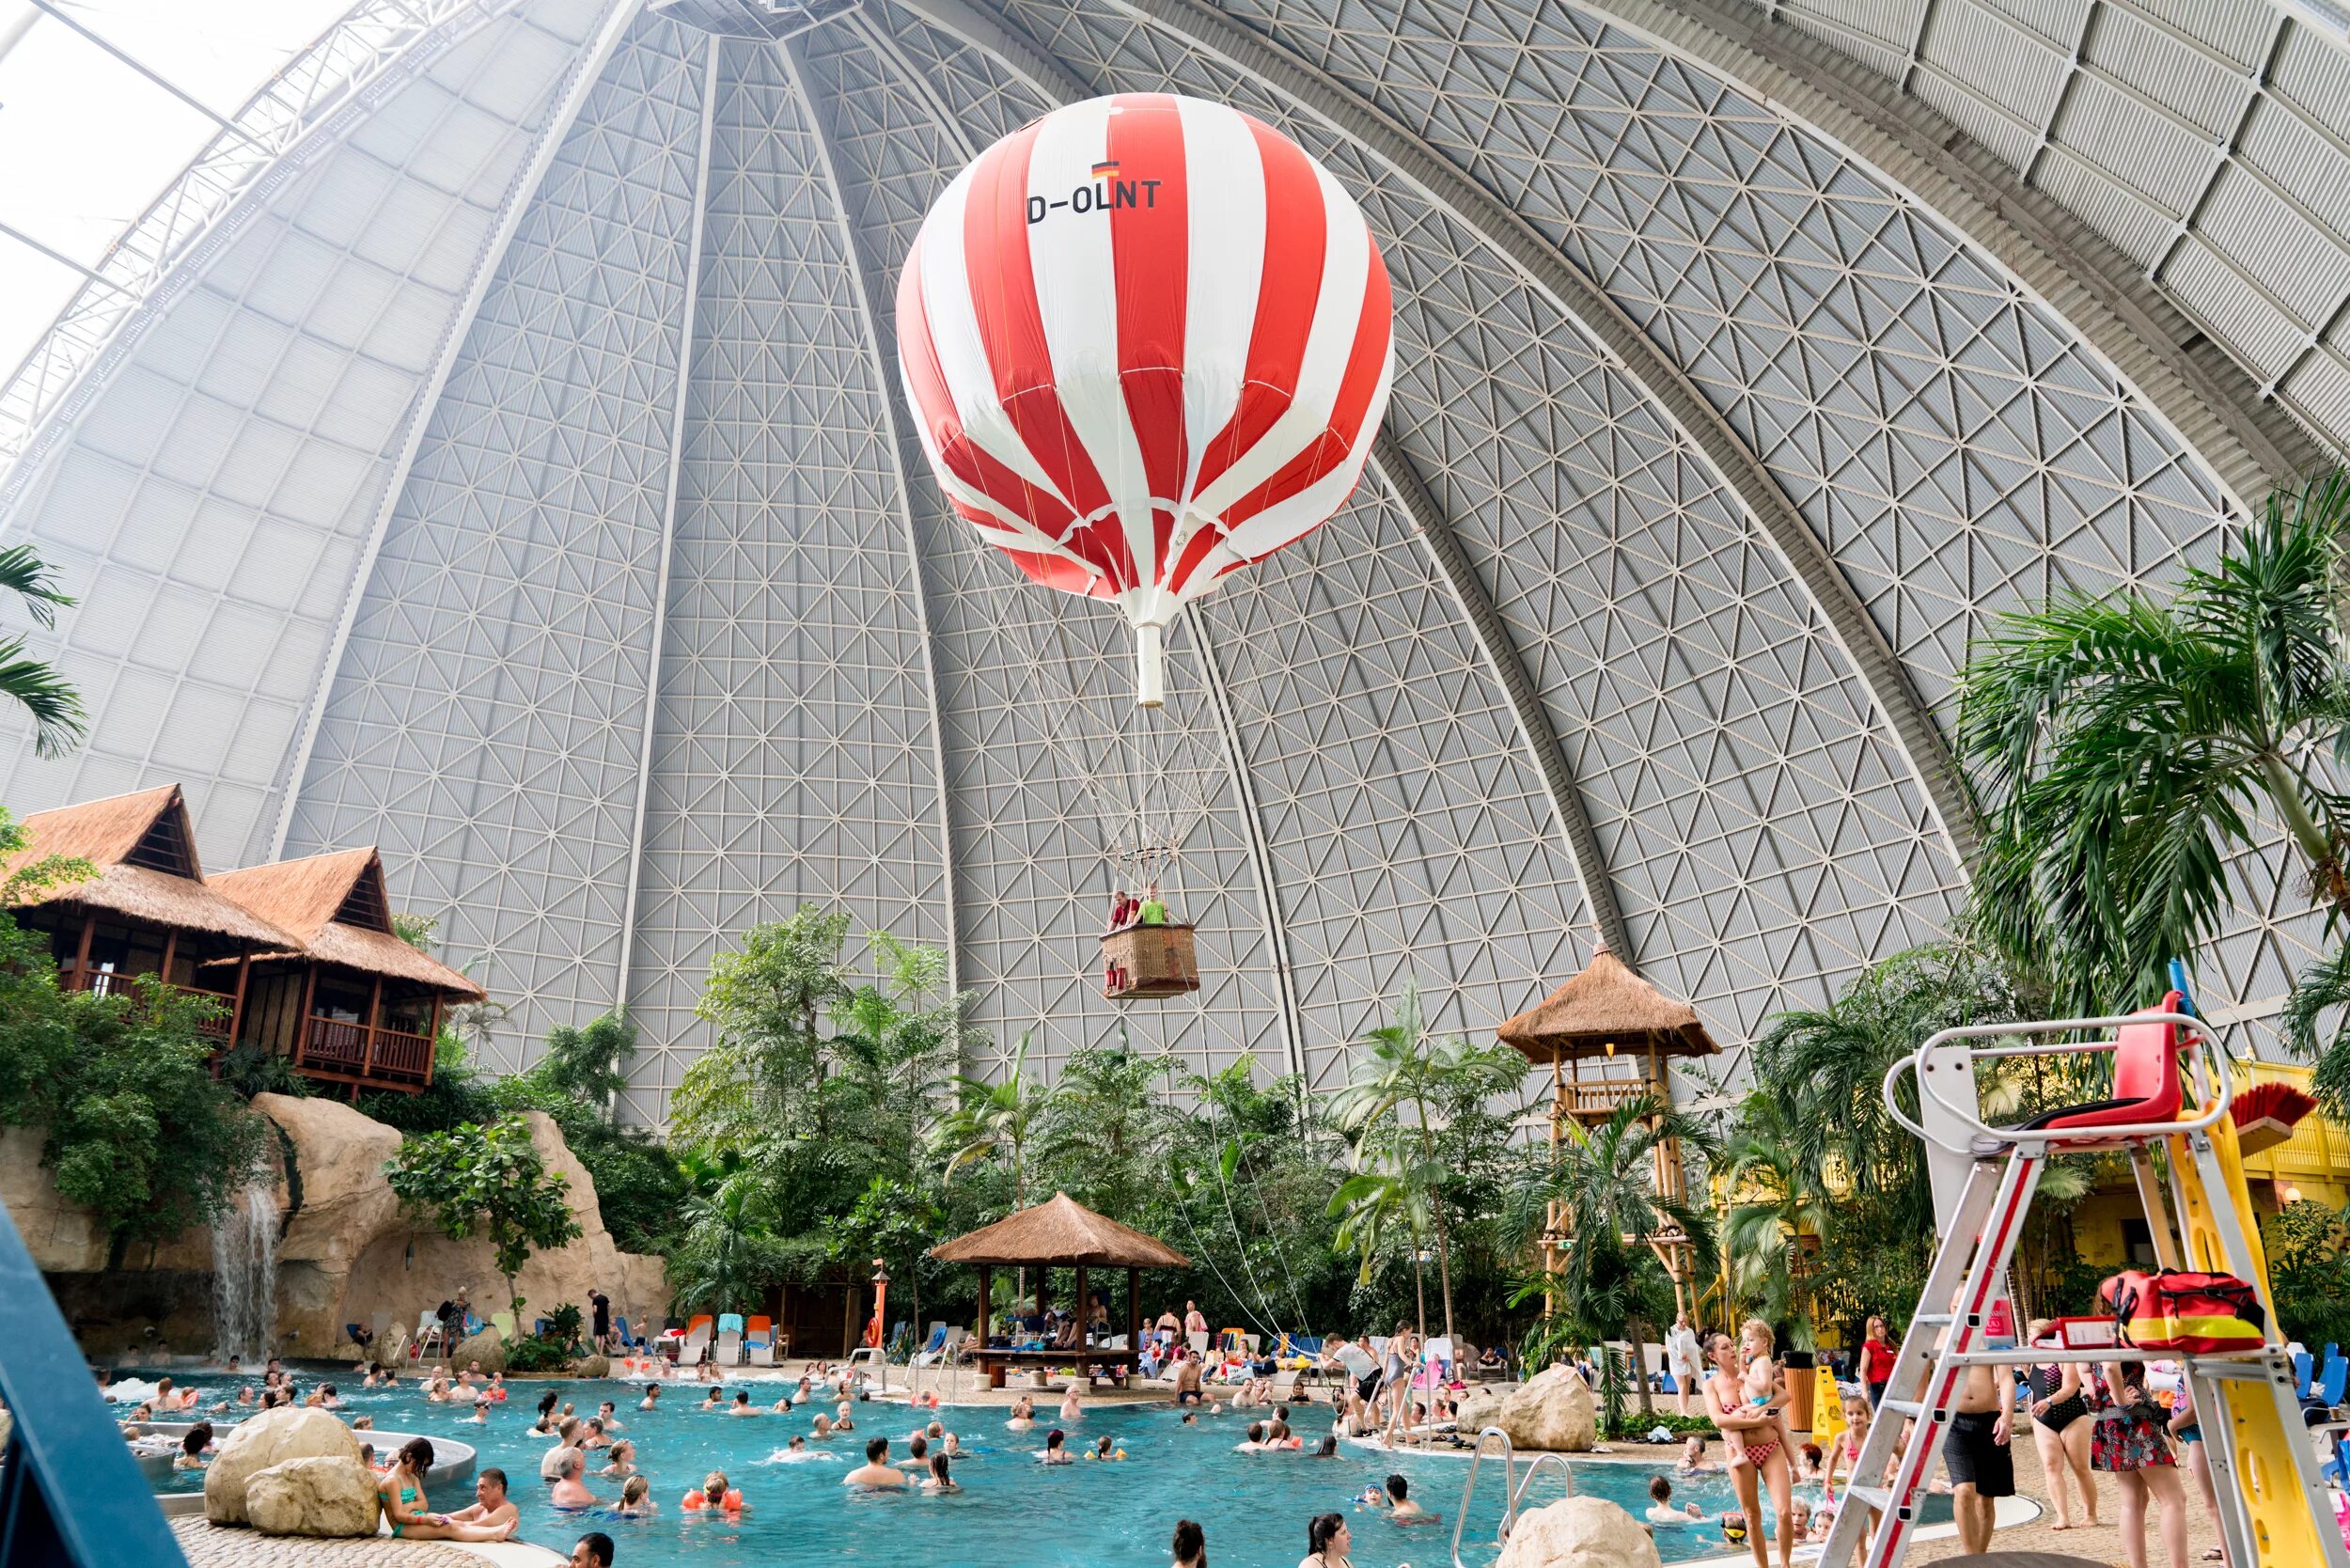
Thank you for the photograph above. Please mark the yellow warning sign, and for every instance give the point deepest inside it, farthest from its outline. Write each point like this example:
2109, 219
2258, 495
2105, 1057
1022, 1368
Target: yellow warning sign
1827, 1408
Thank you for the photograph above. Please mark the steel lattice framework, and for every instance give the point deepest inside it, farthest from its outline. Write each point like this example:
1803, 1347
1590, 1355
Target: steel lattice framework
512, 474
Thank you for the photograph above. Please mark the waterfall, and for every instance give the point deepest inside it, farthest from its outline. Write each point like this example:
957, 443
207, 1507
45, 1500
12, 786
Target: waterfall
244, 1275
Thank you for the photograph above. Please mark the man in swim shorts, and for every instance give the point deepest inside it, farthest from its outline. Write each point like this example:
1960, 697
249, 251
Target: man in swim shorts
1976, 1451
1187, 1380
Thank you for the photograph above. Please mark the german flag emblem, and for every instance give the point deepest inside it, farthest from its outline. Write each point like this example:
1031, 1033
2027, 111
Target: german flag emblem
1108, 169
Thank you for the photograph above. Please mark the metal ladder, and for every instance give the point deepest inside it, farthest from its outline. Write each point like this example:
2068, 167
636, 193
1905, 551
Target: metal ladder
1947, 1336
1512, 1493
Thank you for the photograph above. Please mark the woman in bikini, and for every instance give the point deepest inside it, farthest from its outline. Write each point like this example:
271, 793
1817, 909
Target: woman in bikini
1765, 1462
2060, 1426
404, 1505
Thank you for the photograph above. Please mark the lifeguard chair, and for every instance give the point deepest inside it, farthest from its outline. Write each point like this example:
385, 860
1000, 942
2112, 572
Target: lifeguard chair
1149, 961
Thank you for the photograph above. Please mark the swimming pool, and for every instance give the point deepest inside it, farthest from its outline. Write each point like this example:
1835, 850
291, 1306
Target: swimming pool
1011, 1509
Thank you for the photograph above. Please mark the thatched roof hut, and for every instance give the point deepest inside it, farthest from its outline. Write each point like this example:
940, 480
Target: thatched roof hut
336, 909
1604, 1010
1059, 1233
144, 848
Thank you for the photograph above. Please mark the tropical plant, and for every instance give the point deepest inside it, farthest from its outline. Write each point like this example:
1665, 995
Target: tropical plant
1402, 1067
1836, 1059
730, 1254
2128, 745
2309, 1272
588, 1065
2322, 989
486, 1180
1105, 1127
766, 1004
1600, 1181
996, 1123
58, 721
1780, 1206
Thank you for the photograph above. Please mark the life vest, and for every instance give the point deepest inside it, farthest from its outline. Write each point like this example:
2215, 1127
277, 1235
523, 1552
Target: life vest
2201, 1314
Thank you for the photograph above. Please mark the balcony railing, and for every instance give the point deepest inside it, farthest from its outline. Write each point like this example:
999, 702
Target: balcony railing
220, 1026
1600, 1097
338, 1048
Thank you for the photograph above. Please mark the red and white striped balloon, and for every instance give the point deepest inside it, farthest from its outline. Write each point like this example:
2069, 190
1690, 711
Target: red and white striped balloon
1147, 341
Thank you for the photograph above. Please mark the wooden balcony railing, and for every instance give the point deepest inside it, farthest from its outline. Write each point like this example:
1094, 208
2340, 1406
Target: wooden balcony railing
110, 982
334, 1047
1598, 1098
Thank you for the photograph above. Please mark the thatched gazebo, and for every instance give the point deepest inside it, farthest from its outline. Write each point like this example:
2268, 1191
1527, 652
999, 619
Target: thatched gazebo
1058, 1233
1609, 1018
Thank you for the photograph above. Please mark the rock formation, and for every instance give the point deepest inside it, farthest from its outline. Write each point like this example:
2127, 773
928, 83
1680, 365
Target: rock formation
1578, 1533
313, 1496
1555, 1411
271, 1438
347, 1253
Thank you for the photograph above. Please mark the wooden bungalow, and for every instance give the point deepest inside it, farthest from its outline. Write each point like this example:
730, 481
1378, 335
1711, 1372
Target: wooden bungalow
148, 909
346, 999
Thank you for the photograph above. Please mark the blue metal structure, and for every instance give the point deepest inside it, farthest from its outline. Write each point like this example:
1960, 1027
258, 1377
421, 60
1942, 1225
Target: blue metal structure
71, 1495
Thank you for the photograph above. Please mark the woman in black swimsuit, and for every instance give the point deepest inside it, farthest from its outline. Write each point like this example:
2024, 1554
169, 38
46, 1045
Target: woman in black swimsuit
2060, 1426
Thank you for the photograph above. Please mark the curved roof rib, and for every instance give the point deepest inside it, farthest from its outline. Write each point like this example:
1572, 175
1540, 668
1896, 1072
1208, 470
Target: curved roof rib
2250, 444
1618, 337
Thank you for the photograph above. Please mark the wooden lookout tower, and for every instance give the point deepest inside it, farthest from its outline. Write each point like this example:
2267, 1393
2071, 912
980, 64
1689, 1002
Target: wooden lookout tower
1606, 1036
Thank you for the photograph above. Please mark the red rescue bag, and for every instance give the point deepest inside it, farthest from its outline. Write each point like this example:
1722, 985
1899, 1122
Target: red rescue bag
2201, 1314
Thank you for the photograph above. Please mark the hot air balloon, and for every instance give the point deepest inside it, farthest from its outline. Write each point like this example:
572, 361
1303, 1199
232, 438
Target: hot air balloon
1146, 342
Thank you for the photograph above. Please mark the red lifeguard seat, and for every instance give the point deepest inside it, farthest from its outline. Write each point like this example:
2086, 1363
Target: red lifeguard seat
2145, 1079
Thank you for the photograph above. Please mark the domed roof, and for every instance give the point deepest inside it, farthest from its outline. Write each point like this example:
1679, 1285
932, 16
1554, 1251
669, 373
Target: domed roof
511, 471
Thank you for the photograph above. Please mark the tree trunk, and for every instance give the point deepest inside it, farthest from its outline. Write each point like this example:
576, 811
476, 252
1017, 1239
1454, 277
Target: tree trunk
1640, 1365
1436, 1211
2326, 871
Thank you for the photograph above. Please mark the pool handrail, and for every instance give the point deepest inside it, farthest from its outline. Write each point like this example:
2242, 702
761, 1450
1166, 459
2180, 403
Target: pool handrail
70, 1490
1468, 1490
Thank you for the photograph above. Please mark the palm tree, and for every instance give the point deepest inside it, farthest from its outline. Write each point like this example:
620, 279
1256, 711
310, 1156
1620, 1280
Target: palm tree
730, 1254
1838, 1055
1603, 1180
1106, 1126
1777, 1192
2129, 744
58, 721
996, 1122
1399, 1066
1387, 1192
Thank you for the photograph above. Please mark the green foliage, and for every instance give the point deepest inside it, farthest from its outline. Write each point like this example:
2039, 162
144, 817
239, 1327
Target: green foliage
577, 1082
249, 1069
532, 1355
415, 929
135, 1128
58, 720
2309, 1272
2129, 746
730, 1254
487, 1180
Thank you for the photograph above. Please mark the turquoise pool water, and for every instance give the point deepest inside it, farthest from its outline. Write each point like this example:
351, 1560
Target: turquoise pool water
1011, 1509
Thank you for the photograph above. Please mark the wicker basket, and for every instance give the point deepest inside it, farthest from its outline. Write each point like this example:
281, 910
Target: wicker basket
1157, 961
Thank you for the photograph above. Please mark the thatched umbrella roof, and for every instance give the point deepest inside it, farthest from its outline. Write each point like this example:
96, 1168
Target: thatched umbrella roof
1059, 1233
144, 849
336, 907
1608, 1004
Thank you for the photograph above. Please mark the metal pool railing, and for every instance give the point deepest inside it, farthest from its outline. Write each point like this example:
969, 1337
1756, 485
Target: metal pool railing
69, 1492
1512, 1490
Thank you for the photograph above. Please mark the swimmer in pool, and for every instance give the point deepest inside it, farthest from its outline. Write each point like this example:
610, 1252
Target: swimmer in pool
1053, 1452
840, 1421
783, 1404
743, 1406
1071, 1408
824, 1426
953, 1448
653, 1397
940, 1479
1023, 1414
1401, 1506
798, 1445
1105, 1447
876, 1471
712, 1400
636, 1499
715, 1496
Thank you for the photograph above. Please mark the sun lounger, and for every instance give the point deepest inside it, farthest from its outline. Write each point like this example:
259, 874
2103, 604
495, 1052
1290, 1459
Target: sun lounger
504, 1323
696, 1345
729, 1351
759, 1339
942, 1347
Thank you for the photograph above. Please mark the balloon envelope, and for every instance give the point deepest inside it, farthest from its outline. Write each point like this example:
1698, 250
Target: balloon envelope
1147, 341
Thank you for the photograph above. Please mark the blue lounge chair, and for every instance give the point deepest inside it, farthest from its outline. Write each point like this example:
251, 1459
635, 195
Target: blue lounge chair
2330, 1383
